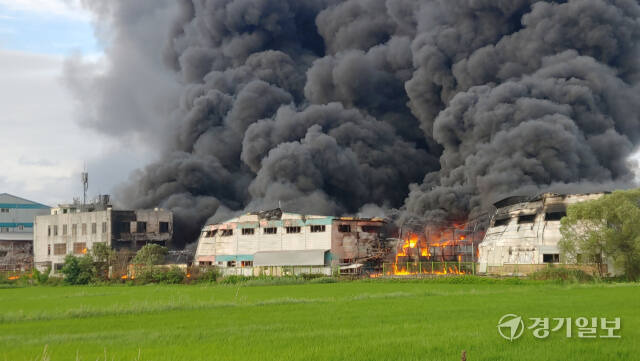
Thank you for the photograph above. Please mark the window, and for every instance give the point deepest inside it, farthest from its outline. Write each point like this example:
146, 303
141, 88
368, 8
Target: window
501, 222
4, 210
529, 218
270, 230
164, 227
64, 230
55, 230
551, 258
48, 231
74, 229
48, 250
84, 229
4, 229
94, 228
141, 227
371, 229
246, 263
79, 248
21, 227
3, 253
59, 248
317, 228
210, 234
247, 232
226, 233
295, 229
344, 228
231, 263
125, 227
58, 267
554, 216
104, 227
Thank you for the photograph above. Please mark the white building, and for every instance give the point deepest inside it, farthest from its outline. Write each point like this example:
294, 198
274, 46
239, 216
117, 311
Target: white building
278, 239
75, 229
524, 233
16, 230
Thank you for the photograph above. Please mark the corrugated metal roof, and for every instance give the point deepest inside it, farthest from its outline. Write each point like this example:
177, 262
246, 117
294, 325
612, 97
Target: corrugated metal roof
312, 257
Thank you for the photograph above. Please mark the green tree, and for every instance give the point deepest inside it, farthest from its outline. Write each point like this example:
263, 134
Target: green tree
78, 270
103, 257
604, 227
151, 254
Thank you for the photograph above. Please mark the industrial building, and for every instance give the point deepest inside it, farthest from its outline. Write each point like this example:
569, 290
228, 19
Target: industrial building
275, 242
524, 233
16, 231
75, 228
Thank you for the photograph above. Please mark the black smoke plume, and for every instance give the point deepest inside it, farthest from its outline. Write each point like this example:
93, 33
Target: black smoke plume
434, 108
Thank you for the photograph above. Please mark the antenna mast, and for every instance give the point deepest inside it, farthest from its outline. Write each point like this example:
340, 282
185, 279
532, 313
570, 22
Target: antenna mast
84, 178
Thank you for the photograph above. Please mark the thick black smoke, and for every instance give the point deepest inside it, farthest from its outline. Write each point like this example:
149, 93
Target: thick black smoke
431, 107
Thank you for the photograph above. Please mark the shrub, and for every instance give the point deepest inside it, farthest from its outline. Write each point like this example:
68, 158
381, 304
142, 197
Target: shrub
175, 275
78, 270
40, 277
562, 274
151, 254
209, 275
233, 279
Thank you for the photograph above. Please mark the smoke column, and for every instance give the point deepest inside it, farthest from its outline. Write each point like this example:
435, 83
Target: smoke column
432, 108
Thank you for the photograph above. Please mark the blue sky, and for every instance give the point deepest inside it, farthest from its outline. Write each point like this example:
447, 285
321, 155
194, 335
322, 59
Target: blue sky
45, 33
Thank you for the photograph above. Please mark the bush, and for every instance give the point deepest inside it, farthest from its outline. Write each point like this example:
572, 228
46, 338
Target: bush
562, 274
233, 279
40, 277
78, 270
175, 275
151, 254
209, 275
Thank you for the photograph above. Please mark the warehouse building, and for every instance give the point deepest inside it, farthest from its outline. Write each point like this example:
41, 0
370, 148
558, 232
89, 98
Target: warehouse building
16, 231
75, 228
275, 242
524, 233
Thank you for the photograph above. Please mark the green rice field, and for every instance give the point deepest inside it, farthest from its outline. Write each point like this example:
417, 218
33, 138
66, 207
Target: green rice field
357, 320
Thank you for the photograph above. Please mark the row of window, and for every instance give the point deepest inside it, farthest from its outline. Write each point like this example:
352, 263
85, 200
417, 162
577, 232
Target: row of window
61, 248
4, 210
53, 230
530, 218
8, 229
342, 228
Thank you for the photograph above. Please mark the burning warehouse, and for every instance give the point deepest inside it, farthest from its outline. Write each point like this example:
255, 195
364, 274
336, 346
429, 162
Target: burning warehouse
524, 233
276, 242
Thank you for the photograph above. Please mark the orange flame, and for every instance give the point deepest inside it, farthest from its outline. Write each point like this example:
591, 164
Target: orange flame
400, 268
13, 278
124, 277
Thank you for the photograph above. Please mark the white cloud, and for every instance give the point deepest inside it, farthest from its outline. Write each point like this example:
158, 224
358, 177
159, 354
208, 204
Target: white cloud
43, 148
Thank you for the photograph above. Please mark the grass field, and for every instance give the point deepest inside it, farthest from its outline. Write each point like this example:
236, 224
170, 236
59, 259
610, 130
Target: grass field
375, 320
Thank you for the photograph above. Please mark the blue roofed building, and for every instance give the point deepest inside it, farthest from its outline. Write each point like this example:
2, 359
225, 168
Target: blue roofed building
16, 231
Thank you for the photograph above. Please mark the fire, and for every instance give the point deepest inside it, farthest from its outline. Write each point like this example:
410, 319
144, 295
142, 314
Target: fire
124, 277
84, 251
13, 278
435, 256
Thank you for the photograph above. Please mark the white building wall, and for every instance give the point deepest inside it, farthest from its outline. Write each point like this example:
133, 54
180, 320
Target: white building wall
45, 238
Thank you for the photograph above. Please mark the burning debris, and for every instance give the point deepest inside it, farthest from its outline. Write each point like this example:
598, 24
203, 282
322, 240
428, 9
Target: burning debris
438, 250
434, 108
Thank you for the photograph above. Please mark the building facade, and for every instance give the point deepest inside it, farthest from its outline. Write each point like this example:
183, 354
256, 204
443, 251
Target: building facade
75, 229
525, 231
279, 239
16, 231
